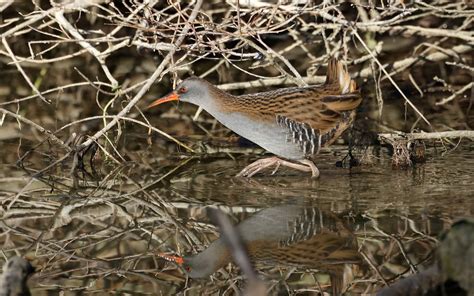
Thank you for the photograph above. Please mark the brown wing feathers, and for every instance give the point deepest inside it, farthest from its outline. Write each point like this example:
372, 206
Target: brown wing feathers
327, 115
341, 103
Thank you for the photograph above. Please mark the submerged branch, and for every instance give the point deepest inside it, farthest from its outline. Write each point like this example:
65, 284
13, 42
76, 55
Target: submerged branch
428, 136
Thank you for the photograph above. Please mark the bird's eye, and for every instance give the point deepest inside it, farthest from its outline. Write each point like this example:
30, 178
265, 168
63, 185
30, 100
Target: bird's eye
182, 90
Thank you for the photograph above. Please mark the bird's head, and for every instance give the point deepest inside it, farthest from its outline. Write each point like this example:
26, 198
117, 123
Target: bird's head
193, 90
194, 266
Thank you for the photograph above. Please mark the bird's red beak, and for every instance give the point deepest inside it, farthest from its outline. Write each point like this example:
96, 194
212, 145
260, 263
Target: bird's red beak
171, 97
176, 259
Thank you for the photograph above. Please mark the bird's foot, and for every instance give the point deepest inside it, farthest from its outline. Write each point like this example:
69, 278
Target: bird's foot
313, 168
257, 166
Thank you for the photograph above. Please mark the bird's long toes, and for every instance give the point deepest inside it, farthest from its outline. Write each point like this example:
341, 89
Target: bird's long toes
253, 171
250, 175
242, 173
277, 166
250, 170
259, 165
247, 171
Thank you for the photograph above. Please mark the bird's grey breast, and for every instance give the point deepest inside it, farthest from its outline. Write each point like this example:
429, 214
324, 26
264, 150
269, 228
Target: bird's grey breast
268, 135
274, 224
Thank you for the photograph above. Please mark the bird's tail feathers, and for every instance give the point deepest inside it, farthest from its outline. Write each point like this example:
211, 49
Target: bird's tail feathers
337, 74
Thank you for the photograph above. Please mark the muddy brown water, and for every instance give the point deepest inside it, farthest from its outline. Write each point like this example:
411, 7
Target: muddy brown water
103, 236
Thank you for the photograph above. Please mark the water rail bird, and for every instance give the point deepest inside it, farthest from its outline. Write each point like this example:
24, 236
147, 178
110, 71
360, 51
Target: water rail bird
293, 123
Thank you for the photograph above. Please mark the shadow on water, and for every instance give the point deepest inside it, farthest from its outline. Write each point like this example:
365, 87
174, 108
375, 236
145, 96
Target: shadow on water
105, 235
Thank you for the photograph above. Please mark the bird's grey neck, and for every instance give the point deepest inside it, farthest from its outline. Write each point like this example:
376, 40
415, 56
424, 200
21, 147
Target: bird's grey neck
210, 98
210, 260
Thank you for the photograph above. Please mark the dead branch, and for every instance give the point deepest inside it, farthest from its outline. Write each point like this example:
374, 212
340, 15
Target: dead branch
428, 136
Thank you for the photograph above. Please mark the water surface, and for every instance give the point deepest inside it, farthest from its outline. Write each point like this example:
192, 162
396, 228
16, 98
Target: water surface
103, 235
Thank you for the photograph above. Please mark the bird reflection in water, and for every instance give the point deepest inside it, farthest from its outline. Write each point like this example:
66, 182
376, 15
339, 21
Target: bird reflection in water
294, 236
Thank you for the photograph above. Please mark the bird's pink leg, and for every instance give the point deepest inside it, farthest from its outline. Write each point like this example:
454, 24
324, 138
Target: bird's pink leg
256, 166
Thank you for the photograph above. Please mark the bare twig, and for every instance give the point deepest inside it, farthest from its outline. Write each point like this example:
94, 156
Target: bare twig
18, 66
38, 127
430, 136
455, 94
150, 81
59, 16
390, 78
